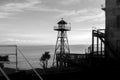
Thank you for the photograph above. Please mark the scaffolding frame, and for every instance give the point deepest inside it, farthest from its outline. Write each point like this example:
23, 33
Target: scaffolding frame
15, 54
99, 34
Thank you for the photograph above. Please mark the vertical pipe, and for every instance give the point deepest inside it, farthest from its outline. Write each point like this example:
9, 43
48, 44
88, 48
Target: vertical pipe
61, 49
97, 44
106, 26
92, 42
67, 47
101, 48
55, 53
16, 59
67, 43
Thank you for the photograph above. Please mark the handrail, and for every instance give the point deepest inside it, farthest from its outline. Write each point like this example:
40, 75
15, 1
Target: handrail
5, 75
30, 65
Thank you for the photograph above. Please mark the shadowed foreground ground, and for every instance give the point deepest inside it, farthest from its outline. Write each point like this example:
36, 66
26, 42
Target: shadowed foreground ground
74, 74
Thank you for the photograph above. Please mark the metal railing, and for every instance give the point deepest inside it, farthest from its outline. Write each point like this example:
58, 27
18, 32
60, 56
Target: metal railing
62, 28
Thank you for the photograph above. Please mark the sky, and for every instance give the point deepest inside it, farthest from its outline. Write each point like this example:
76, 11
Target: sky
31, 22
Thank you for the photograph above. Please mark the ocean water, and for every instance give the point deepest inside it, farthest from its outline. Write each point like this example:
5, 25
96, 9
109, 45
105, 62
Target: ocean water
33, 54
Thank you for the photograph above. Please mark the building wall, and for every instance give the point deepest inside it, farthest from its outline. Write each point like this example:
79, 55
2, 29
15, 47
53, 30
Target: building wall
113, 26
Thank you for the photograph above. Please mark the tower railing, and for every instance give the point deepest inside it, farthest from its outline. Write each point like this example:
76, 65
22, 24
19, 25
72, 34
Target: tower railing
67, 28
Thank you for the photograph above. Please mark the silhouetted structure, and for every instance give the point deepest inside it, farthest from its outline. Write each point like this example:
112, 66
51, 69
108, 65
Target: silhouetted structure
107, 43
112, 32
4, 56
3, 59
97, 47
62, 47
103, 55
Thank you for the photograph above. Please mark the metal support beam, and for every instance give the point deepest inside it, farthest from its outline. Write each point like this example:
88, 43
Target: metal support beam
101, 48
92, 42
97, 45
62, 47
16, 59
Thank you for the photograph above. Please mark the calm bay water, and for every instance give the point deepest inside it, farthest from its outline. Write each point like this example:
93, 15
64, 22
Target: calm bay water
33, 54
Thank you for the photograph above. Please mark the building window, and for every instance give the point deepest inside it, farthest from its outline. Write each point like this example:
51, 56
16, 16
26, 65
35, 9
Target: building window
118, 22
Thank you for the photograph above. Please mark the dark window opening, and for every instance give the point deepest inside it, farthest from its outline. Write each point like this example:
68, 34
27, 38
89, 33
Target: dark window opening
118, 2
118, 46
118, 22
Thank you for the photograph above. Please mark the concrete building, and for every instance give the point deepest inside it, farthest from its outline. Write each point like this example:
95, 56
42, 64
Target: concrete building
112, 33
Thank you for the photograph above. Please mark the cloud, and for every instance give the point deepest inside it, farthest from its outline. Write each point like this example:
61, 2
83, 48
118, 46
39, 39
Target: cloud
23, 41
26, 35
84, 15
4, 14
95, 17
33, 5
73, 13
12, 7
15, 41
19, 38
83, 38
68, 2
